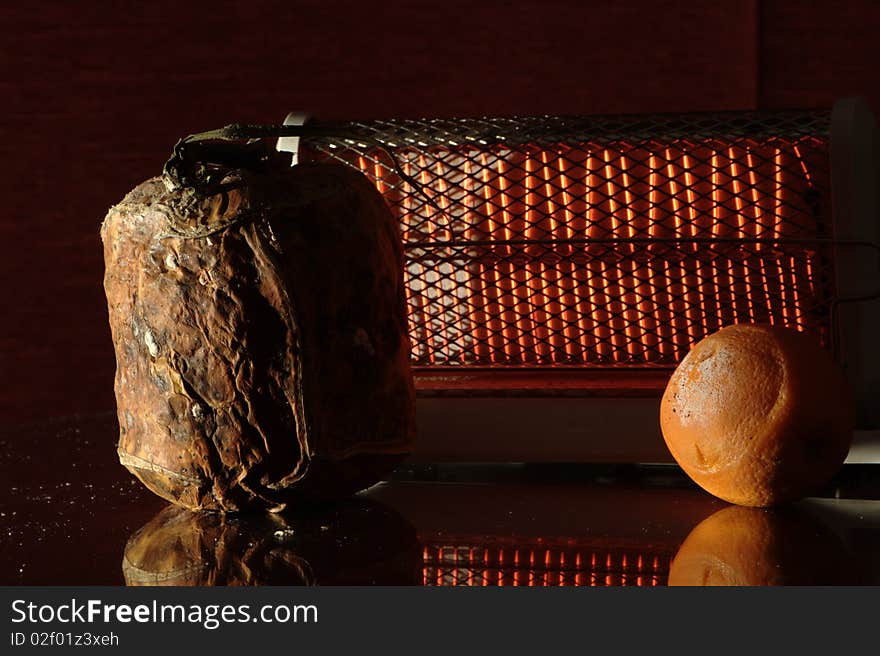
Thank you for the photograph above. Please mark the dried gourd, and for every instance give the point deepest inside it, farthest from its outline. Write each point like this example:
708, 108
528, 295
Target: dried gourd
259, 324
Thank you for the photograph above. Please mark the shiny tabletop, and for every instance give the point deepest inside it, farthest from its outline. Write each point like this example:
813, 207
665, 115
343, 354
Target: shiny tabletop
71, 515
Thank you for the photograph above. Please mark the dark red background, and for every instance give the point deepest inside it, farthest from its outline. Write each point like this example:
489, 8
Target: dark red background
95, 94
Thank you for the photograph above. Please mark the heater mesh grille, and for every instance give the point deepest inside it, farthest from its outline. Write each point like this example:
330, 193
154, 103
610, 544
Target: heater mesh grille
601, 242
543, 565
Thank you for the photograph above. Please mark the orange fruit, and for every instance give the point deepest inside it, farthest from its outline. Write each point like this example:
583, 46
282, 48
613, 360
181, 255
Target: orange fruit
758, 415
756, 546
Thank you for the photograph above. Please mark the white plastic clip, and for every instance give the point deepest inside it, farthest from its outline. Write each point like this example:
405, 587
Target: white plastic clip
291, 144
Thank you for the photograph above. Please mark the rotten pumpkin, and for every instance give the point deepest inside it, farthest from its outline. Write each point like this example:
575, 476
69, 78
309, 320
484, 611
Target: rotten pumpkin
258, 318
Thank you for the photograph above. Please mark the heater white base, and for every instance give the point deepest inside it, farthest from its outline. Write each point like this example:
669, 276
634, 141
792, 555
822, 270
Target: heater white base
453, 429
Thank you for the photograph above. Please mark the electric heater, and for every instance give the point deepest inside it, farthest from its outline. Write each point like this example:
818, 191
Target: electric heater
559, 267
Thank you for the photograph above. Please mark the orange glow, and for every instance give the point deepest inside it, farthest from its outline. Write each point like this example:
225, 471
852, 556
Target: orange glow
739, 274
690, 195
806, 171
425, 556
657, 319
500, 577
605, 254
561, 564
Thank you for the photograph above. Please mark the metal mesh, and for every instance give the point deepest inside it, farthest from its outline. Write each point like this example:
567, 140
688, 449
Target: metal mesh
543, 565
602, 242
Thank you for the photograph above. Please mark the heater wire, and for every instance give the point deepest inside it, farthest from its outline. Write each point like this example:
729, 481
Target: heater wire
195, 159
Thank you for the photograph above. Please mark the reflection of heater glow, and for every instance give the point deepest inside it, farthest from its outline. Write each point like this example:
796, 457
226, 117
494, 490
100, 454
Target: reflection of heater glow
522, 266
542, 565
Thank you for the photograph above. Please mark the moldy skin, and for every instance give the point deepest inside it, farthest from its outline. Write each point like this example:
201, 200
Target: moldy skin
758, 415
261, 339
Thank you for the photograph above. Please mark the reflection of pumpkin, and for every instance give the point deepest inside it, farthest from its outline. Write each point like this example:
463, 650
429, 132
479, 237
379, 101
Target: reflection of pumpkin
352, 543
261, 338
749, 546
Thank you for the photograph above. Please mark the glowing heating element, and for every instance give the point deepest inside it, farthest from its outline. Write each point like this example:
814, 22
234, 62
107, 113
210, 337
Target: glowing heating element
543, 565
541, 251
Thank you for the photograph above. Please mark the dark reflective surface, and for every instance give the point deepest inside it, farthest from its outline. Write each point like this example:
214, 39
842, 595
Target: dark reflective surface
71, 515
359, 542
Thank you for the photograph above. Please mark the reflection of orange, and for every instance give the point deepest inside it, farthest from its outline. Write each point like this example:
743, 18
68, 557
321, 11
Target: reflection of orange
758, 415
752, 546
